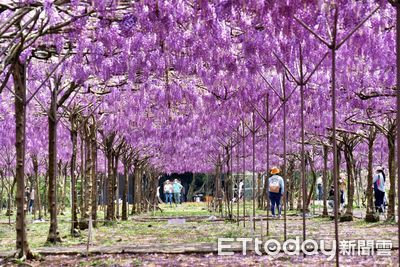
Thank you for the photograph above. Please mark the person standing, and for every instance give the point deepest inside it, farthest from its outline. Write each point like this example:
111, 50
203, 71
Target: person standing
319, 188
26, 196
379, 189
177, 187
31, 200
241, 193
168, 192
275, 190
331, 196
342, 190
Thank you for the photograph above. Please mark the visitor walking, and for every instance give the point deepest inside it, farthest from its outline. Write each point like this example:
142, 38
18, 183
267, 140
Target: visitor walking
177, 187
168, 192
275, 190
379, 189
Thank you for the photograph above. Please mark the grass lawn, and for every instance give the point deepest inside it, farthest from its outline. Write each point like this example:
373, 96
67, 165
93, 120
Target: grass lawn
157, 228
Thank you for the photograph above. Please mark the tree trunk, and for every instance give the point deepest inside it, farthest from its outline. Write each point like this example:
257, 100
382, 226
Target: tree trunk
189, 195
357, 176
53, 235
110, 198
2, 178
299, 196
154, 185
325, 181
74, 198
218, 186
94, 173
314, 181
82, 176
116, 185
60, 188
227, 183
110, 189
142, 187
147, 191
45, 200
9, 201
348, 155
102, 186
38, 202
291, 186
125, 192
64, 191
86, 212
370, 215
392, 175
338, 168
137, 191
260, 201
19, 76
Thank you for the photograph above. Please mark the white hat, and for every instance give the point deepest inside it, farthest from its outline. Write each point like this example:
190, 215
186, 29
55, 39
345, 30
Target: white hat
379, 168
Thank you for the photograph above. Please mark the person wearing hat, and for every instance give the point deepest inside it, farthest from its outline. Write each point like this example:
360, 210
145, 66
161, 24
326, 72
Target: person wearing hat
177, 188
379, 189
168, 192
275, 190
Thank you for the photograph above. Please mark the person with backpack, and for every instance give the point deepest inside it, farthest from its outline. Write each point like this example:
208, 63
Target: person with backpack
275, 190
379, 189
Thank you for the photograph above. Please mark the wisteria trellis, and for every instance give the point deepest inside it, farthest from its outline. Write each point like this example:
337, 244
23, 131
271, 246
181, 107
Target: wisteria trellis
167, 81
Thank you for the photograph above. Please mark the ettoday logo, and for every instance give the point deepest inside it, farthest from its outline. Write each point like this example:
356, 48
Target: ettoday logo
309, 247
